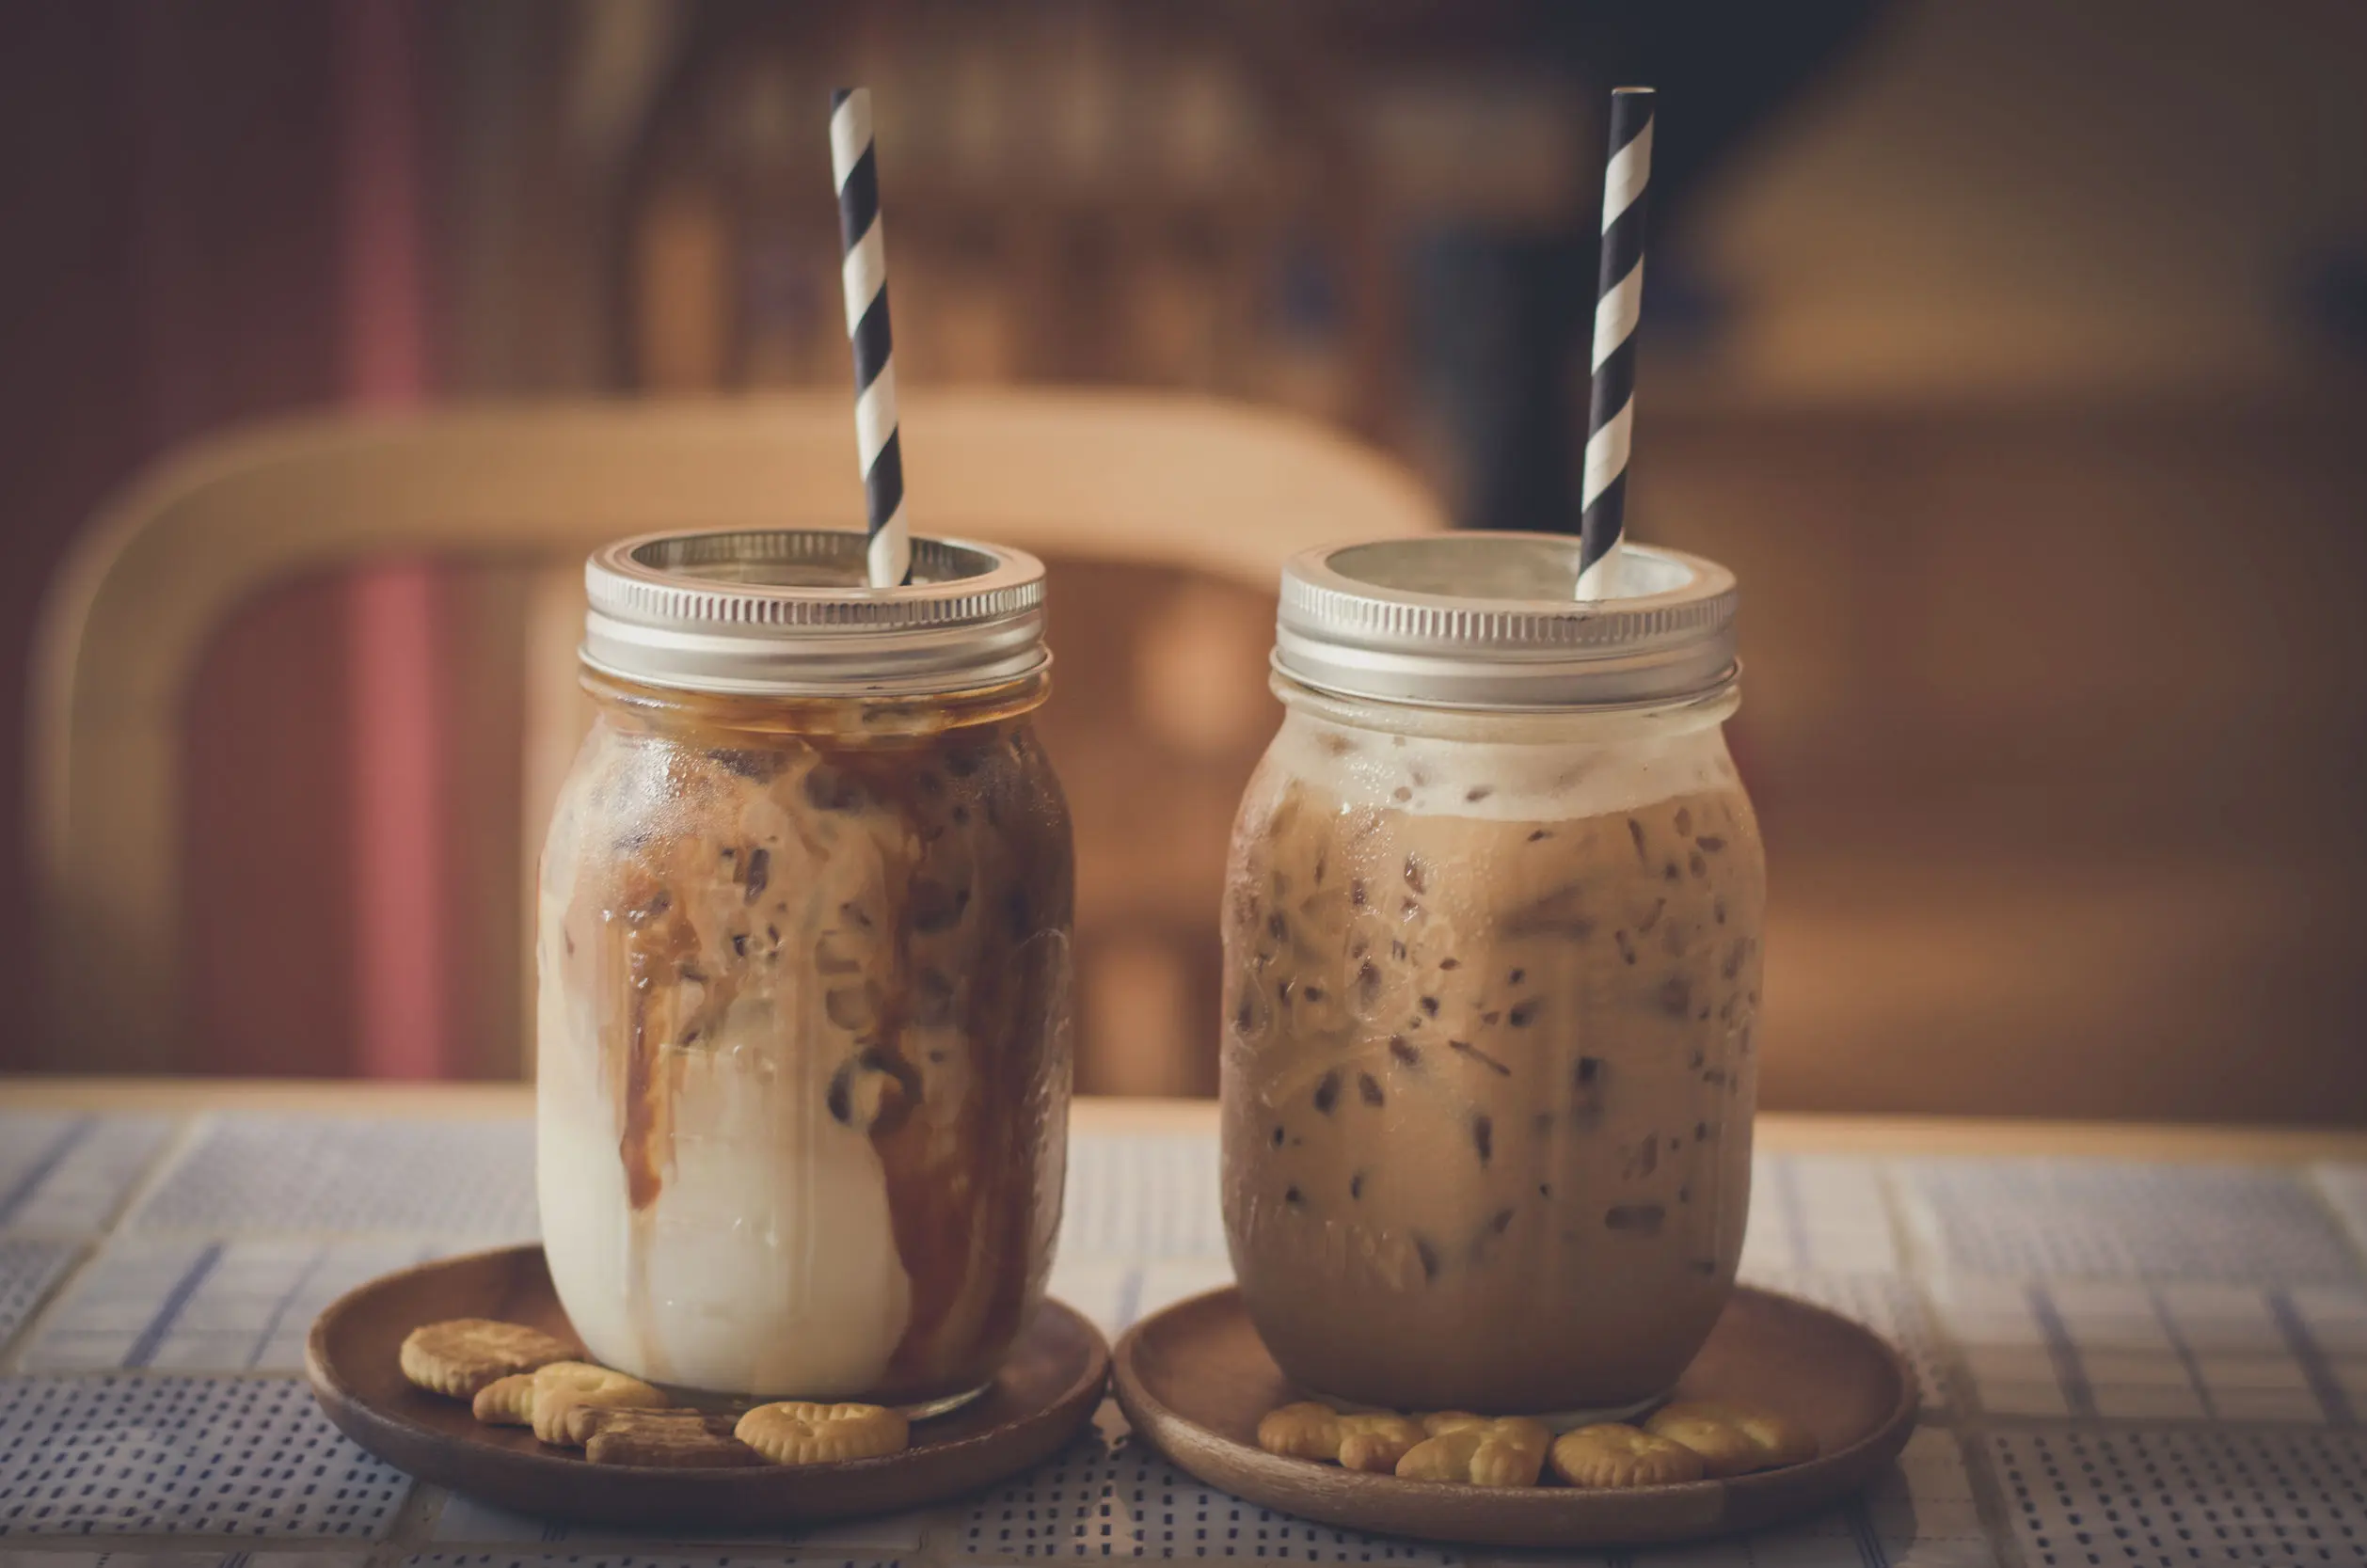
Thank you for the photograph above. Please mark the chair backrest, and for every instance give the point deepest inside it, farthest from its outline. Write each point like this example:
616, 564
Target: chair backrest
1141, 478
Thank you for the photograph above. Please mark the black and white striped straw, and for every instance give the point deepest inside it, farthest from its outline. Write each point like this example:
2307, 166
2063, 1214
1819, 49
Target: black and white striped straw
863, 271
1619, 293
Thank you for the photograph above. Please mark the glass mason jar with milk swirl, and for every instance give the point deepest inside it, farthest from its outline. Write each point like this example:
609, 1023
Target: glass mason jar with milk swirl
804, 969
1491, 937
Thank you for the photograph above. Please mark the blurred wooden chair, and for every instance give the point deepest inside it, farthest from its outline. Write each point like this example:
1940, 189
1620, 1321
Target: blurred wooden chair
1204, 489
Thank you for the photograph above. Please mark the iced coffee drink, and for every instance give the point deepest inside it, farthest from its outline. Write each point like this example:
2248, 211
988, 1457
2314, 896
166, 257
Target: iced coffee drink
804, 1033
1491, 982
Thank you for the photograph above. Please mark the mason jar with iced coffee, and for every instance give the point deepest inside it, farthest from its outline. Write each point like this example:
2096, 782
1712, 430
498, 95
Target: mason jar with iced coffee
804, 971
1492, 938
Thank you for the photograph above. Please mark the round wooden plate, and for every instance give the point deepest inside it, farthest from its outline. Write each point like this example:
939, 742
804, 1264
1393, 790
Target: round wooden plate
1195, 1378
1046, 1391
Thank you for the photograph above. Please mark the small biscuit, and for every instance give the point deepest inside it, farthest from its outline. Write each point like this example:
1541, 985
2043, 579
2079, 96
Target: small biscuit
1443, 1422
1512, 1453
797, 1432
1733, 1439
457, 1358
1723, 1449
583, 1422
1371, 1440
1481, 1452
1377, 1442
666, 1439
1445, 1457
565, 1386
506, 1402
580, 1423
1613, 1455
1303, 1430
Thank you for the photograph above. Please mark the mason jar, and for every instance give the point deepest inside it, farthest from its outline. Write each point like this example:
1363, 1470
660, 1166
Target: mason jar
1491, 959
805, 989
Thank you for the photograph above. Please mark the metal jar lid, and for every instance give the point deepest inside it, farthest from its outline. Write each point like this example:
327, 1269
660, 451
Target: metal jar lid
785, 611
1492, 621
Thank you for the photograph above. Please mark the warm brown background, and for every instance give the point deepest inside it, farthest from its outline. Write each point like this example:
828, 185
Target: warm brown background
2017, 369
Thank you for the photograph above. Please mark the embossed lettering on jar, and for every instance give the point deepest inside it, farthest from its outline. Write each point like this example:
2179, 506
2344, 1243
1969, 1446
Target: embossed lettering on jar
1491, 942
805, 992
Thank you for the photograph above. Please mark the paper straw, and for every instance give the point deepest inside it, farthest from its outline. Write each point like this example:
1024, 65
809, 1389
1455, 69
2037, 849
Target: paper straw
863, 271
1619, 293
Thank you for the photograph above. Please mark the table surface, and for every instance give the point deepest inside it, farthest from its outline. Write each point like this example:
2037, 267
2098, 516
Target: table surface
2137, 1345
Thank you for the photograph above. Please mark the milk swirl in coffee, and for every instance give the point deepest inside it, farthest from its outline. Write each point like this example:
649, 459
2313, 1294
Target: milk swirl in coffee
804, 1050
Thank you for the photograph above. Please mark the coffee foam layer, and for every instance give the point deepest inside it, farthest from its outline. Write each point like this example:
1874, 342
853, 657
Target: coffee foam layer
1501, 781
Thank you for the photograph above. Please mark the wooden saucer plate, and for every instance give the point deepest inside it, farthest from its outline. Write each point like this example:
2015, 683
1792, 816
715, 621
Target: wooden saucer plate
1046, 1391
1195, 1379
